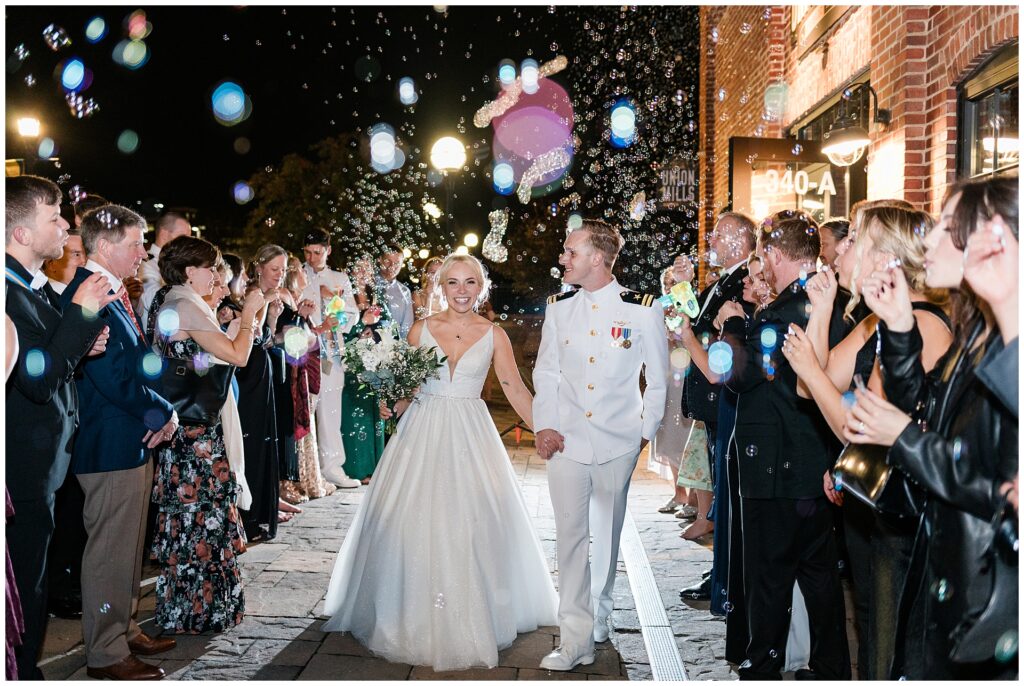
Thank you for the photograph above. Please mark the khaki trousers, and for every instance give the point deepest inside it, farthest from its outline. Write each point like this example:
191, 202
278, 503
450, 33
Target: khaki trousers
115, 510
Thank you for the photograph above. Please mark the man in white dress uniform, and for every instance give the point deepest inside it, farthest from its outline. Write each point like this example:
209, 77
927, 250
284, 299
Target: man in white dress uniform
324, 284
592, 423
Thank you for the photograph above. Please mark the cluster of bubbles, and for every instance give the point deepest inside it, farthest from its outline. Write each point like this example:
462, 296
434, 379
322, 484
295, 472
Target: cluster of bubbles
79, 106
132, 52
230, 104
56, 37
493, 250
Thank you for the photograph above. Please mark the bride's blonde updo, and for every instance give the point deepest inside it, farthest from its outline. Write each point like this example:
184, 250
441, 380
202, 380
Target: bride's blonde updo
474, 264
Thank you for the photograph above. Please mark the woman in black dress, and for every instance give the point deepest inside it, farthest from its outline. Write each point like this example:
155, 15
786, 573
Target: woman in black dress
256, 405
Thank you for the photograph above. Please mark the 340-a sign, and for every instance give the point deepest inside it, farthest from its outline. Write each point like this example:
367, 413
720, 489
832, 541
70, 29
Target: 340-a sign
798, 182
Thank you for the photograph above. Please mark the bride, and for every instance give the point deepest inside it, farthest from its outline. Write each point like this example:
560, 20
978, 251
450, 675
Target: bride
441, 565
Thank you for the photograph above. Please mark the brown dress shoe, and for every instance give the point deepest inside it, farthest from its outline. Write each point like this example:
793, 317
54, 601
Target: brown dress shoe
146, 645
129, 669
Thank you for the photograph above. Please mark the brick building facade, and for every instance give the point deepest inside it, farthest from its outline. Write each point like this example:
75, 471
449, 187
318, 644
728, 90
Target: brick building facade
765, 71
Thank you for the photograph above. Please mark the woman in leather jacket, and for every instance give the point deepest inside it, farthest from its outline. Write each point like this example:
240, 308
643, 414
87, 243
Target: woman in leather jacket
961, 451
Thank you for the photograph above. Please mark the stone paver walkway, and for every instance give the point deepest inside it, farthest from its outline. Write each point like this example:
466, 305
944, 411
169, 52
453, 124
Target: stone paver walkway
286, 579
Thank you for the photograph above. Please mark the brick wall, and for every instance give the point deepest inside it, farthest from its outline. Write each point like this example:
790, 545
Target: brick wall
917, 55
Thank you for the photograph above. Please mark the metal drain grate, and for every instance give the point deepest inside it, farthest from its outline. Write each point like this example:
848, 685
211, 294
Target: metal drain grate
659, 640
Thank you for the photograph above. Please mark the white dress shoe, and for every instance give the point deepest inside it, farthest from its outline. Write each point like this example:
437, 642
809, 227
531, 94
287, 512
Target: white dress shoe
600, 631
345, 482
557, 661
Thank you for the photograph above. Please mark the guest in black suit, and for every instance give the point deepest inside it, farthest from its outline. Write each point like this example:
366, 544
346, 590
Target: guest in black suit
42, 406
730, 243
782, 443
122, 417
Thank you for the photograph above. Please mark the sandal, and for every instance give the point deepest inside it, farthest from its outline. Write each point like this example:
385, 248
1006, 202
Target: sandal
670, 506
283, 517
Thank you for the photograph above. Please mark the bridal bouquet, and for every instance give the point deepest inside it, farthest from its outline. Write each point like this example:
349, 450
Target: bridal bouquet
391, 367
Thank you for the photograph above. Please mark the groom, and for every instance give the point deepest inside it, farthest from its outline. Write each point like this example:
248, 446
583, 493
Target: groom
592, 423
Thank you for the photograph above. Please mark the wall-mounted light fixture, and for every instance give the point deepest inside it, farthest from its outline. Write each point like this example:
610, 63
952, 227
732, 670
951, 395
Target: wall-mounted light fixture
846, 141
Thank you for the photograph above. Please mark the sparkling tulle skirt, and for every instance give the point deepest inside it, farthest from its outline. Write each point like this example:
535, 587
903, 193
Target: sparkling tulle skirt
441, 565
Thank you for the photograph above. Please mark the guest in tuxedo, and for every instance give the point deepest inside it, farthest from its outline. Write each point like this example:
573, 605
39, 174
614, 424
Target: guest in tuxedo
123, 417
64, 560
781, 443
169, 226
41, 395
730, 244
396, 295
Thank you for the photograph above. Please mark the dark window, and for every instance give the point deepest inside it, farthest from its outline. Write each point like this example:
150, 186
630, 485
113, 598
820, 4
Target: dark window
989, 132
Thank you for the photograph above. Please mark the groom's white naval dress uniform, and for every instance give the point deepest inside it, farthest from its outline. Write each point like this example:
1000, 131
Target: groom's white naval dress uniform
587, 382
332, 372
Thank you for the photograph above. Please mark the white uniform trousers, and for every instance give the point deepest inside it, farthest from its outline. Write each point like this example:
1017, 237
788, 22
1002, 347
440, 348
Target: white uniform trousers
328, 424
588, 500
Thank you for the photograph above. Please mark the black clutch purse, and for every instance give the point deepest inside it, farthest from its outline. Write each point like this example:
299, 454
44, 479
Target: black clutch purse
863, 472
197, 395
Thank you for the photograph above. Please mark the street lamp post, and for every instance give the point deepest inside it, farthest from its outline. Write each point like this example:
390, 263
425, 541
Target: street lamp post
448, 154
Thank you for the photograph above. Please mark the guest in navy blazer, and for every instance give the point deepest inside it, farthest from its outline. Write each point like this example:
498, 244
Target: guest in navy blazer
122, 417
42, 407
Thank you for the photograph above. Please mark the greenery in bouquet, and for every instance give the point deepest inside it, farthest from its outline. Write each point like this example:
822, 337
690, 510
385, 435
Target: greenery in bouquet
391, 367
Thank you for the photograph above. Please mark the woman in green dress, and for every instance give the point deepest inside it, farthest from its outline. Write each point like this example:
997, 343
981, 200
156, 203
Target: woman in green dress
362, 429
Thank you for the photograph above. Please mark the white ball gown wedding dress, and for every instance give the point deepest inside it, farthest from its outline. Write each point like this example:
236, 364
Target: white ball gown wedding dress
442, 565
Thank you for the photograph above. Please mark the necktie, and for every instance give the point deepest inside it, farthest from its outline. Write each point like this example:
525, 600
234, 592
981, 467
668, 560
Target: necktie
131, 313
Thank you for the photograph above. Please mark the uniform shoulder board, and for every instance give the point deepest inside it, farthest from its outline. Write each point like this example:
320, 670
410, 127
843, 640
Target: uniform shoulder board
635, 298
561, 296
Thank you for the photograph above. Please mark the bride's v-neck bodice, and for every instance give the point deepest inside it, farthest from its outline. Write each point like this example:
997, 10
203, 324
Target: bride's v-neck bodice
470, 371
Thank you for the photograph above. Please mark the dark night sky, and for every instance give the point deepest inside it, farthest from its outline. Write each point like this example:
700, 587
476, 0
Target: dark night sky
289, 63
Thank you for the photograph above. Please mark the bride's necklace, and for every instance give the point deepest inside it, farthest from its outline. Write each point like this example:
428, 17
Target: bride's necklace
458, 330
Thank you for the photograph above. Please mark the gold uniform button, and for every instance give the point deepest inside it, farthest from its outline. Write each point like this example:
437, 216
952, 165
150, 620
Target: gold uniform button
593, 307
591, 359
590, 386
593, 333
588, 414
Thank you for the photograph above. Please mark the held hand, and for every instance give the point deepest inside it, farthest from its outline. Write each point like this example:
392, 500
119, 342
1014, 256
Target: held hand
94, 293
728, 310
799, 351
153, 439
990, 263
254, 302
275, 308
871, 419
821, 289
133, 286
549, 442
372, 315
326, 293
682, 269
1009, 489
306, 308
330, 321
834, 496
99, 346
887, 294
